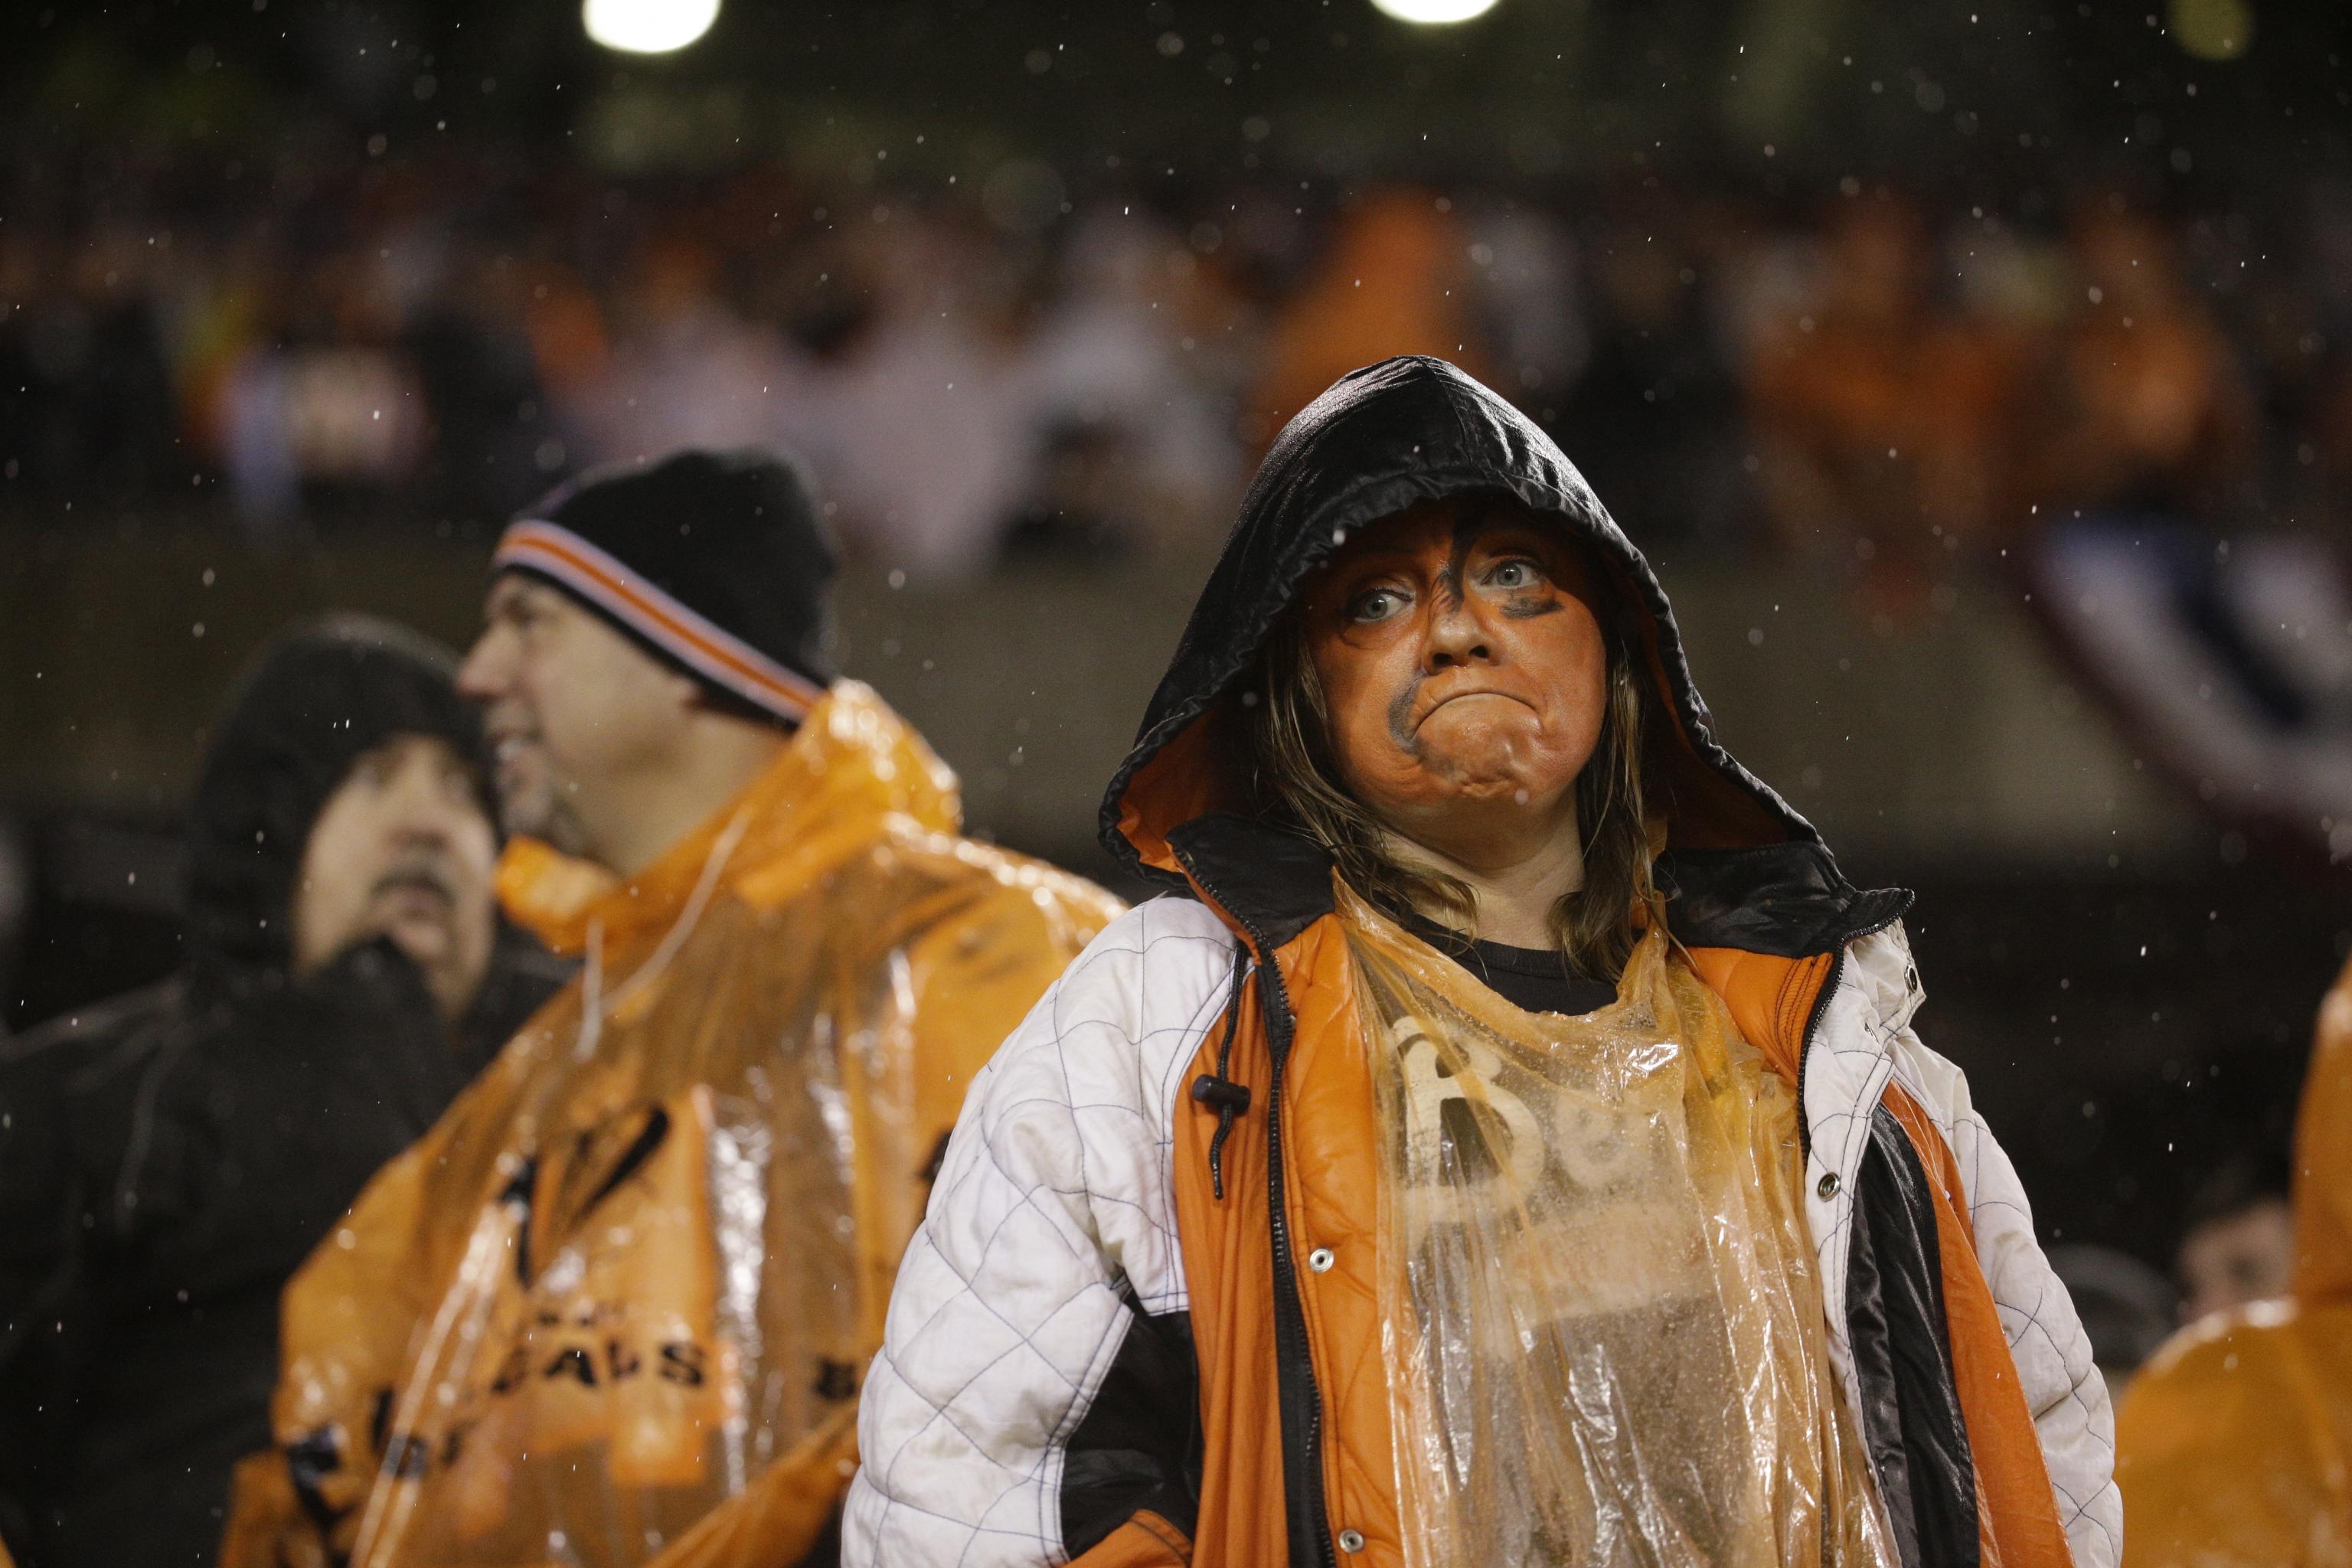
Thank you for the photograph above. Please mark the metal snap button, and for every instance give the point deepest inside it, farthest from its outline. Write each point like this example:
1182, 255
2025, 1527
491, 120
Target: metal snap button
1828, 1187
1351, 1541
1320, 1260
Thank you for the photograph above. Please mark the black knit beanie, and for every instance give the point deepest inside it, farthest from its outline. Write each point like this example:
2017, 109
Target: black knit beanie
716, 563
313, 702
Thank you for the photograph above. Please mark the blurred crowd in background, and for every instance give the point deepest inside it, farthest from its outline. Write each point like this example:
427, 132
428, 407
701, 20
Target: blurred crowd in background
1052, 363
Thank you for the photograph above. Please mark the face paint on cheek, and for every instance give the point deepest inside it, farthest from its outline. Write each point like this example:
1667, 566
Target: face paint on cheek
1528, 607
1401, 719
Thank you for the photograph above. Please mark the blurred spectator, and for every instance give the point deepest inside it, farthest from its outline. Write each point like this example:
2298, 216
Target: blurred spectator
1527, 298
1653, 419
2149, 409
85, 398
1127, 437
493, 439
1394, 279
321, 414
167, 1158
685, 366
2238, 1245
932, 411
2231, 1451
1882, 414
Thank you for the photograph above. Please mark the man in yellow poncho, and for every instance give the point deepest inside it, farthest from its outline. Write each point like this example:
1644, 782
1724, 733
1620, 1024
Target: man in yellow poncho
2234, 1445
616, 1308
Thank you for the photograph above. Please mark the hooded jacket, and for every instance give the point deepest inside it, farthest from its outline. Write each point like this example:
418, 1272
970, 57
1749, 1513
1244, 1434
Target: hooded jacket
2234, 1443
169, 1157
1141, 1322
617, 1306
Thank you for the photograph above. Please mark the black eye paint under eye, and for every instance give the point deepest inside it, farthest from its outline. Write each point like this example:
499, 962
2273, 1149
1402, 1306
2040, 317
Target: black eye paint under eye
1528, 607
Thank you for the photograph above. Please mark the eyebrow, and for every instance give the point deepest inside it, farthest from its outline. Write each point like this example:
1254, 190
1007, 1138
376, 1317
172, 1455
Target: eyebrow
512, 590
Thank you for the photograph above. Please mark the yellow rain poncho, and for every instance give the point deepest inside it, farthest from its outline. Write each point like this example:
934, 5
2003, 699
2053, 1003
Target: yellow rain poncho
1600, 1308
616, 1306
2234, 1445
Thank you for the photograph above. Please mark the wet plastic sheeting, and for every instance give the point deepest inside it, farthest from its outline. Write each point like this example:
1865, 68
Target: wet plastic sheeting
1604, 1325
616, 1309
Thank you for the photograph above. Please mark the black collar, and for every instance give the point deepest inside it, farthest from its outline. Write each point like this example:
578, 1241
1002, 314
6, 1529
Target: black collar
1787, 900
1274, 879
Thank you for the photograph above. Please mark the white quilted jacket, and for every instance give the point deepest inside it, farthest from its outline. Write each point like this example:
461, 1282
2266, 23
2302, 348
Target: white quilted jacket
1051, 1233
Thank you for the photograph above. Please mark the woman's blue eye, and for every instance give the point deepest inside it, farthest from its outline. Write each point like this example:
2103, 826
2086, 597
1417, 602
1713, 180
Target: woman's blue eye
1514, 574
1376, 605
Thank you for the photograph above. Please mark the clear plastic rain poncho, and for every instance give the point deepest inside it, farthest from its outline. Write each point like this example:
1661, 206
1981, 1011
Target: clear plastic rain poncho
616, 1308
1604, 1321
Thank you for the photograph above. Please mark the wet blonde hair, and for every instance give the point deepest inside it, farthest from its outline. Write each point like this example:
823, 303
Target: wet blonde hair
1294, 775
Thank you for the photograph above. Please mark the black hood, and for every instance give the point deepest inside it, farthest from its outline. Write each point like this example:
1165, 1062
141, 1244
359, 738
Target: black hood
1742, 868
314, 702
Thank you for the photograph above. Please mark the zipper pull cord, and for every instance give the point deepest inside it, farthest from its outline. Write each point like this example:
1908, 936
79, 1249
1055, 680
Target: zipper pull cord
1230, 1098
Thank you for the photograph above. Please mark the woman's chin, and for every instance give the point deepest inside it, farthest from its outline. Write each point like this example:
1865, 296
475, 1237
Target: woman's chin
1482, 766
1464, 800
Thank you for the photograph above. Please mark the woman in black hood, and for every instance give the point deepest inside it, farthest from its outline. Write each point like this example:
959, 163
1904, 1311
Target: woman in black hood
169, 1157
1508, 1141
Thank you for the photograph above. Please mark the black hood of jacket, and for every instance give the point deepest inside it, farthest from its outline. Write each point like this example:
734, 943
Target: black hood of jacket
1742, 867
311, 704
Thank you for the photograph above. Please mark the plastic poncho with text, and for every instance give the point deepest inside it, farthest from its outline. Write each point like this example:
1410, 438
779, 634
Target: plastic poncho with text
616, 1308
1603, 1320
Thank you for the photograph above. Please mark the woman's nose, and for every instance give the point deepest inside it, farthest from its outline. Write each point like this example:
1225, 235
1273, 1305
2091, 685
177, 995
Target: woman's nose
1455, 636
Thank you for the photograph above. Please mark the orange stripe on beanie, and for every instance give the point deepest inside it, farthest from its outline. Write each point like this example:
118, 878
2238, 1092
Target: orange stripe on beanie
716, 561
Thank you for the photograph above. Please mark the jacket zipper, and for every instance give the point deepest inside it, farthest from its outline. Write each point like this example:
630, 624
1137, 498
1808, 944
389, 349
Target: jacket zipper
1805, 1046
1290, 1312
1804, 1060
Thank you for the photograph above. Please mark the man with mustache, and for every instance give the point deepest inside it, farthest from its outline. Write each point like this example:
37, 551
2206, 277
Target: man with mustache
1507, 1143
168, 1158
617, 1306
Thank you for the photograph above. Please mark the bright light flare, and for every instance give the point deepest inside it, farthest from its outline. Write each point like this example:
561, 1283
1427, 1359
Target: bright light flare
1433, 12
648, 26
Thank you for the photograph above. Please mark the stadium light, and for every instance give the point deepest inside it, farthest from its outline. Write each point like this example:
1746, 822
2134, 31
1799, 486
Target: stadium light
1433, 12
647, 26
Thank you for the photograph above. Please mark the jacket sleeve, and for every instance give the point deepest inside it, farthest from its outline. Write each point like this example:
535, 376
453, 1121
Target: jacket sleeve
2061, 1385
1046, 1272
345, 1320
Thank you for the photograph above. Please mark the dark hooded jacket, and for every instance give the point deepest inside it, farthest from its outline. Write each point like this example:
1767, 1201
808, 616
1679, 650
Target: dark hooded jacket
1199, 1375
169, 1157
